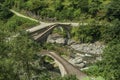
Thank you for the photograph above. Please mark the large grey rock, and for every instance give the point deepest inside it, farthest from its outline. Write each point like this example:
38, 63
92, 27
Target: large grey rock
56, 39
81, 65
78, 60
50, 39
60, 41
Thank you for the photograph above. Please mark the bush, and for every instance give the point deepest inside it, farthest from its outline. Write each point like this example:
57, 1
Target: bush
111, 32
92, 71
87, 33
110, 67
4, 9
97, 78
113, 11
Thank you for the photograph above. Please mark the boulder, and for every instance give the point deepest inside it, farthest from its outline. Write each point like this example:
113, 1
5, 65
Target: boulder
60, 41
81, 65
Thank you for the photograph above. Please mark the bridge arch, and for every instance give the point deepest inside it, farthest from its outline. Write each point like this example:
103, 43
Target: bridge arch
62, 70
64, 28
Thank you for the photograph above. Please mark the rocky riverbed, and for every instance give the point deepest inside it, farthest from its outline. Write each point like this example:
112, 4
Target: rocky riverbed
81, 54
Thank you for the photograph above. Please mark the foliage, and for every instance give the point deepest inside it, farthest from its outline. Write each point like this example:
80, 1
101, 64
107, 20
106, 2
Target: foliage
16, 56
95, 7
94, 31
4, 9
61, 9
87, 33
97, 78
110, 67
61, 31
111, 32
92, 71
113, 11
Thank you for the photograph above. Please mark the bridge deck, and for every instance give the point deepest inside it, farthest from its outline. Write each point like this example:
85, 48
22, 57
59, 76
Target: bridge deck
68, 67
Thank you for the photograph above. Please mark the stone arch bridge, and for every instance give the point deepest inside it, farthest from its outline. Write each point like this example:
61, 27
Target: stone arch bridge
40, 34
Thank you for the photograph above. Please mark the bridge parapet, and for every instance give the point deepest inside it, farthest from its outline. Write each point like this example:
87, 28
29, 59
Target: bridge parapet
39, 27
45, 25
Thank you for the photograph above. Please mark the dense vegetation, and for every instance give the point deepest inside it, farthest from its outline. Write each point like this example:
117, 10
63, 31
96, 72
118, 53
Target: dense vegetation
63, 9
103, 24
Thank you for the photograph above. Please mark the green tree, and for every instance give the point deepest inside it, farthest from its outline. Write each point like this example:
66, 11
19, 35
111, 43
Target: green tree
23, 50
80, 4
87, 33
111, 32
4, 9
94, 7
6, 62
109, 67
113, 10
16, 55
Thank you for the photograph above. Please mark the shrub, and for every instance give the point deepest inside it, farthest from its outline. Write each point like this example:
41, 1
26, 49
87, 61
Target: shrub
109, 66
87, 33
111, 32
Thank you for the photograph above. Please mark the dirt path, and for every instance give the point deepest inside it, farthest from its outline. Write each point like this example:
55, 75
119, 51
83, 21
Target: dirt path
21, 15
